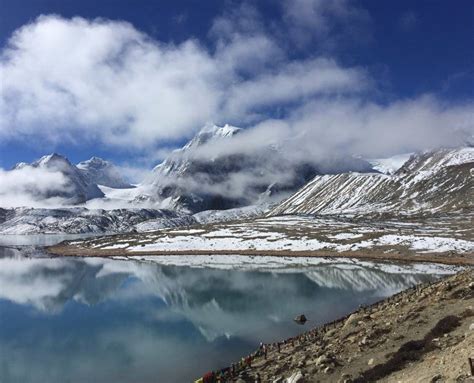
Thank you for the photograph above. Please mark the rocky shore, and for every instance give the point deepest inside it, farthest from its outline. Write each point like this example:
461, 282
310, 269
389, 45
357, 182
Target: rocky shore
424, 334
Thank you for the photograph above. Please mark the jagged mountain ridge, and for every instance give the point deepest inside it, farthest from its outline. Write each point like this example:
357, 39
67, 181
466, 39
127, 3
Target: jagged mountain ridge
195, 179
205, 174
78, 187
102, 172
434, 181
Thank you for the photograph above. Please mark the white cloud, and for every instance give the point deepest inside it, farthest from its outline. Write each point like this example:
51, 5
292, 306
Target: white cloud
76, 80
248, 54
325, 127
32, 187
102, 79
105, 81
353, 126
325, 22
295, 81
241, 20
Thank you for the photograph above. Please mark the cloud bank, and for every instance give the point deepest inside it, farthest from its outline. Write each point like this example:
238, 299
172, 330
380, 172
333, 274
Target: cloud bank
34, 187
105, 80
102, 81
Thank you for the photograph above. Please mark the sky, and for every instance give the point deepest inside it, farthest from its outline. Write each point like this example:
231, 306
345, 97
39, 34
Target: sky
130, 80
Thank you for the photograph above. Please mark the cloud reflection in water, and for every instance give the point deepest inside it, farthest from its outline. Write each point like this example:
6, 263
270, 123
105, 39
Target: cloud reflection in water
91, 319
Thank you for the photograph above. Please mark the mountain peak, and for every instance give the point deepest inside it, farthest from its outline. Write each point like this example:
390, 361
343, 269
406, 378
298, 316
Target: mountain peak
51, 159
78, 189
211, 132
95, 162
219, 131
20, 165
202, 175
96, 159
102, 172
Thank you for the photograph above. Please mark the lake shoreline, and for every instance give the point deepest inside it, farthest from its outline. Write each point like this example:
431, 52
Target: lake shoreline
446, 258
424, 333
370, 344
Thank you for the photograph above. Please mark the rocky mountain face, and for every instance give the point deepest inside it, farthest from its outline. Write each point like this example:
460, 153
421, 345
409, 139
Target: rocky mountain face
101, 172
78, 188
195, 178
181, 181
431, 182
81, 220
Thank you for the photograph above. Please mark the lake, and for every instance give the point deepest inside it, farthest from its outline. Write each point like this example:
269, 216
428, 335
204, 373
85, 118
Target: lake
104, 320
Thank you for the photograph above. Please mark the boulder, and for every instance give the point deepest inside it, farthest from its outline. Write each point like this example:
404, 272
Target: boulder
301, 319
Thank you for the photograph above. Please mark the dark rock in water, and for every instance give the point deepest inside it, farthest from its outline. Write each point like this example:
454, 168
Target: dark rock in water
300, 319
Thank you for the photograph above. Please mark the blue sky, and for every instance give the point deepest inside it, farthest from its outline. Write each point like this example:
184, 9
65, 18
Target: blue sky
397, 55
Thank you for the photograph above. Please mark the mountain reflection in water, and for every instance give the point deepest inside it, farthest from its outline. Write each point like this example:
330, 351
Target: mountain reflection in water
99, 320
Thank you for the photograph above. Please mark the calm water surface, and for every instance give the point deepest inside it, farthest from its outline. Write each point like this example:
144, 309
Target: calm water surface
99, 320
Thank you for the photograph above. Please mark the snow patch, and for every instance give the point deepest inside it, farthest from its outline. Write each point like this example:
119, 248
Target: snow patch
391, 164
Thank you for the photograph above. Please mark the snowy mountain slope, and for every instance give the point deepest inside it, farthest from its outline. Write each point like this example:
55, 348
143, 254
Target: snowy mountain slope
101, 172
436, 181
204, 217
79, 189
126, 195
117, 199
82, 220
391, 164
175, 182
203, 176
428, 163
246, 212
179, 161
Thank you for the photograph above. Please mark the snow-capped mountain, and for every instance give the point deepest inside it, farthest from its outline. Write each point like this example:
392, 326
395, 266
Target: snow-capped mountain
77, 188
430, 182
181, 160
102, 172
202, 175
